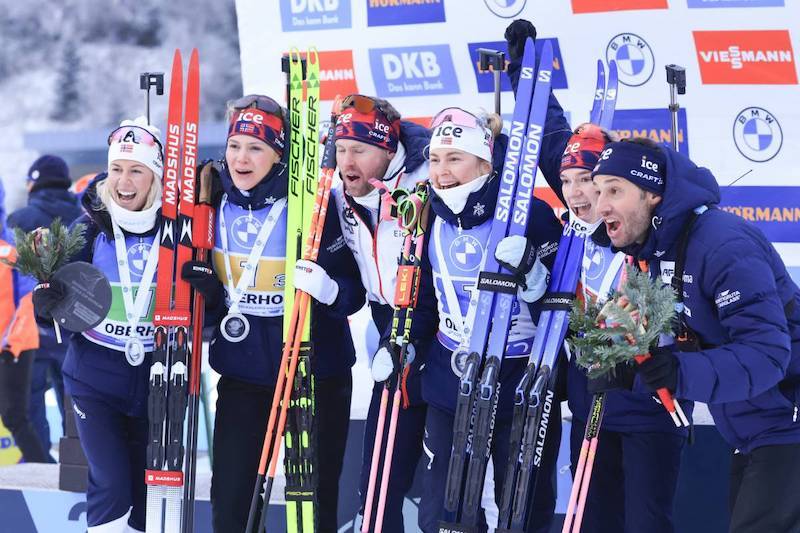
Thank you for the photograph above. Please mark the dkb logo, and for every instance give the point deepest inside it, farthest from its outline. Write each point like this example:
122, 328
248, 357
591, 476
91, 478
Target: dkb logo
413, 70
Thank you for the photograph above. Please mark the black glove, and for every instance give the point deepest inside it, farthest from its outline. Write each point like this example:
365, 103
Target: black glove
660, 370
45, 297
201, 277
620, 379
7, 357
516, 34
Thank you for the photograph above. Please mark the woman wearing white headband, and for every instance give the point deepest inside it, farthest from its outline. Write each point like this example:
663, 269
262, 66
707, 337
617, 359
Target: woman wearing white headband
102, 373
466, 153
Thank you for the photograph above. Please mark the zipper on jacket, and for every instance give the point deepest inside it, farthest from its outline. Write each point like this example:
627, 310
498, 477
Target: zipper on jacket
460, 229
794, 414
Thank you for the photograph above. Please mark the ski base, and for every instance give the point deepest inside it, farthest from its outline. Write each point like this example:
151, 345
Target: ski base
164, 501
300, 516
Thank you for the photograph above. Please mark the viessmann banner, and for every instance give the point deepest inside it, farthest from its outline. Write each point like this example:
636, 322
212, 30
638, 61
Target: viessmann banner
740, 116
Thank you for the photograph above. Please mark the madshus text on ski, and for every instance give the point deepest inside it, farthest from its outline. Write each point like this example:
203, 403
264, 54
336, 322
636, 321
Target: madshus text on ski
643, 298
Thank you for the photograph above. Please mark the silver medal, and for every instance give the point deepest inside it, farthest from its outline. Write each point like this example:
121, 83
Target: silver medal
234, 327
134, 351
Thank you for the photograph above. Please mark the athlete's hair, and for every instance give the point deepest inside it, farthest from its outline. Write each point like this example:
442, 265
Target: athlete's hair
386, 108
495, 123
643, 141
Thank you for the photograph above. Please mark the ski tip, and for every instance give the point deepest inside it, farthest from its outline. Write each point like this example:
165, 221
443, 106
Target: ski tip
177, 61
312, 55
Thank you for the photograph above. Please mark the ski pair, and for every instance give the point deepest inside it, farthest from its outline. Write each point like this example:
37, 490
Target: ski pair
169, 501
294, 390
410, 216
491, 307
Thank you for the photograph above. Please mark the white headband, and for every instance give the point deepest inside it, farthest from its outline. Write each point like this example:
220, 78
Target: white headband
147, 154
475, 141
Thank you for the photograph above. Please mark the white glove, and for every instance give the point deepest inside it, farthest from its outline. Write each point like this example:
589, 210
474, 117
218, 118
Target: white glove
512, 250
536, 280
383, 364
311, 278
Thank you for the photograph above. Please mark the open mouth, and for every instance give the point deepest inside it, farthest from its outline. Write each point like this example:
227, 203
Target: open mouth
352, 178
448, 184
126, 197
613, 227
582, 209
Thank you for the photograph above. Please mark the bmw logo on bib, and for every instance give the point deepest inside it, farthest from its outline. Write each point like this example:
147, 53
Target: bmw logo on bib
634, 58
757, 134
593, 260
244, 230
137, 257
466, 253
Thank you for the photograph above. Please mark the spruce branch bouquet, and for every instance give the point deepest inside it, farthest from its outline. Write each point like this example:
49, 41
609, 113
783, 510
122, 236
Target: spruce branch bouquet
43, 251
627, 325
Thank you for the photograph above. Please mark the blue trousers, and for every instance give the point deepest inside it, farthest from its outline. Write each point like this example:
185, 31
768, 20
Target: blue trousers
407, 451
438, 447
46, 373
115, 444
634, 479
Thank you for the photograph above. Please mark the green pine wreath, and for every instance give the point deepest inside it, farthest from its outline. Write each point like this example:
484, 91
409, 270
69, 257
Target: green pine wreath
626, 325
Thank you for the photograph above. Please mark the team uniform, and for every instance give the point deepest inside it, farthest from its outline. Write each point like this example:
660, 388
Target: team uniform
636, 431
249, 368
455, 254
376, 244
741, 311
109, 395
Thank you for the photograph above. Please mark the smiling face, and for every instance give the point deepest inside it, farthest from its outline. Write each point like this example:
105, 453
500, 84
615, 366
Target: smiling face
358, 163
249, 160
626, 209
580, 193
451, 168
129, 183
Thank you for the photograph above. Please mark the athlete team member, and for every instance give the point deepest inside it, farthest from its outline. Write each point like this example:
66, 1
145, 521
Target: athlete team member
244, 298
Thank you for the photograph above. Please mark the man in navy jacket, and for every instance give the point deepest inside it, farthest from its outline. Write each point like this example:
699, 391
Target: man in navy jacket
740, 308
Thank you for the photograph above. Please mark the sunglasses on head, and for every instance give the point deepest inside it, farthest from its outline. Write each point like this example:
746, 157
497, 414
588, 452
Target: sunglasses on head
133, 134
457, 116
263, 103
362, 104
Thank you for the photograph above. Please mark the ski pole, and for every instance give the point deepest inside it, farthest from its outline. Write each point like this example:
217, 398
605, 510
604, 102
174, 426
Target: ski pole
583, 471
147, 80
281, 396
203, 241
495, 60
405, 295
676, 78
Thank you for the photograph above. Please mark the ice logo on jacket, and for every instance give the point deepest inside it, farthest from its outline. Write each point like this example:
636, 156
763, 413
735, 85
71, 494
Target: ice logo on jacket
757, 134
245, 229
466, 252
137, 257
634, 57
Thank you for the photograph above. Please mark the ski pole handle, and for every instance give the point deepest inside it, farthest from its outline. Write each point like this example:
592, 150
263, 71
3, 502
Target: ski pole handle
669, 403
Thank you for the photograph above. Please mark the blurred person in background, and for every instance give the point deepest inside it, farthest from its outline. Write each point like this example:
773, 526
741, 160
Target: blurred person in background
20, 338
48, 184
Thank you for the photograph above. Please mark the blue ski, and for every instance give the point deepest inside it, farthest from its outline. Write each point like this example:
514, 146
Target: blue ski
497, 292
